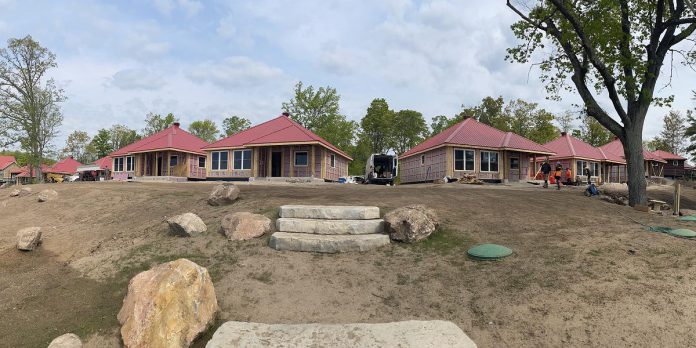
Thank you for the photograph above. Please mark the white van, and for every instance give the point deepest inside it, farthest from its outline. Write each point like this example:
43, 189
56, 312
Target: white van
381, 169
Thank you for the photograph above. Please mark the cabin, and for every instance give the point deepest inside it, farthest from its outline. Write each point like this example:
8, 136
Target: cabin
99, 170
576, 155
675, 168
653, 165
471, 148
65, 167
275, 150
7, 165
23, 176
172, 154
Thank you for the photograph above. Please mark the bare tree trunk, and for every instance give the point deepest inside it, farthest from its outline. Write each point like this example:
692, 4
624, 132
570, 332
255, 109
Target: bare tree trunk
633, 152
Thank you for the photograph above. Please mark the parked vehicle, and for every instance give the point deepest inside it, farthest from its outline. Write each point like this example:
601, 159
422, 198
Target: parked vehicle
381, 169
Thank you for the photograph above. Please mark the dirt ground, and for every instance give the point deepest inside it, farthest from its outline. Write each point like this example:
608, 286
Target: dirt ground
582, 273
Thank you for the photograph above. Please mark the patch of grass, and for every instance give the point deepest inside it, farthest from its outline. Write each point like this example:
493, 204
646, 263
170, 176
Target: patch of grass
594, 252
402, 279
264, 277
443, 241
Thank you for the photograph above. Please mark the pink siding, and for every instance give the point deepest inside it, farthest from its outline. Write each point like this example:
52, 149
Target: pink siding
230, 172
341, 168
195, 171
435, 166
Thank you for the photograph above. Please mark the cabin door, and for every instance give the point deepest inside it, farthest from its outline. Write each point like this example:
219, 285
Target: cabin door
159, 166
514, 167
276, 164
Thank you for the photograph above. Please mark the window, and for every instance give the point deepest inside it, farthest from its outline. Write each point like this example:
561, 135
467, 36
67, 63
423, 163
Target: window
464, 159
422, 159
489, 161
219, 160
173, 160
333, 161
595, 169
118, 164
242, 159
201, 162
301, 158
130, 164
514, 163
580, 167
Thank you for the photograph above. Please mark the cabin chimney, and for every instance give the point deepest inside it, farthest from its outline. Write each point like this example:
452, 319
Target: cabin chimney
176, 124
286, 114
563, 134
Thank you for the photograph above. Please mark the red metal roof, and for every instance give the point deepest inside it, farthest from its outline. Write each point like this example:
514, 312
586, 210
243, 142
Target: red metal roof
67, 166
171, 138
668, 155
5, 161
104, 162
24, 171
280, 130
473, 133
567, 146
616, 148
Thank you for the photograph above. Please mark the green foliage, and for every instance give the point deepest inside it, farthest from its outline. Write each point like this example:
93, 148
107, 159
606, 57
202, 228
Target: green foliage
690, 133
155, 123
206, 130
593, 133
565, 121
440, 123
409, 129
377, 126
360, 153
120, 136
337, 130
657, 143
101, 145
489, 112
76, 146
235, 124
672, 134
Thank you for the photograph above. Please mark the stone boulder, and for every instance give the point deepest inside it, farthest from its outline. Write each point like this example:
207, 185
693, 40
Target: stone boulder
168, 306
14, 193
411, 224
223, 194
244, 226
47, 195
28, 238
69, 340
186, 225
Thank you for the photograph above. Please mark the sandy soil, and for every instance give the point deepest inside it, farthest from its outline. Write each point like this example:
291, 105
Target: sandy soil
582, 273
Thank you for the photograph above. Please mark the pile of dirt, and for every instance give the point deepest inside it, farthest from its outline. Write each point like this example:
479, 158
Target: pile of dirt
470, 179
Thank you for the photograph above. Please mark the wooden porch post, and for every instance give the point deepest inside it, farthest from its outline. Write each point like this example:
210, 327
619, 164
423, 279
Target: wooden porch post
268, 168
254, 162
313, 159
292, 161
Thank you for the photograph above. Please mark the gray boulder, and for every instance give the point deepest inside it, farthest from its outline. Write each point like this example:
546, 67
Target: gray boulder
244, 226
14, 193
186, 225
69, 340
47, 195
223, 194
411, 224
28, 238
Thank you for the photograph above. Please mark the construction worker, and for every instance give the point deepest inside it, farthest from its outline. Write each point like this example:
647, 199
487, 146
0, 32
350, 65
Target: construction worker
569, 174
588, 173
557, 175
545, 171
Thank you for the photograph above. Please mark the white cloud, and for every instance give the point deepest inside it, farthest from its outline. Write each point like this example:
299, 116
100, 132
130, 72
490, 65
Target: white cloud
142, 79
234, 72
189, 7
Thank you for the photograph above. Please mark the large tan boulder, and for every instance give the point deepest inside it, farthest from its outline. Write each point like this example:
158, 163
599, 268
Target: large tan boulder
14, 193
69, 340
28, 238
47, 195
168, 306
186, 225
223, 194
411, 224
244, 226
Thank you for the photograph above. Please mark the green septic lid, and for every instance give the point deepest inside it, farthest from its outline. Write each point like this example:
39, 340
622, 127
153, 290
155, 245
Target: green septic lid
489, 252
688, 218
661, 229
682, 232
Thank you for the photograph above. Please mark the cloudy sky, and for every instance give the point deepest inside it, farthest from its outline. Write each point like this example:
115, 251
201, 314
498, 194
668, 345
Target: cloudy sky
210, 59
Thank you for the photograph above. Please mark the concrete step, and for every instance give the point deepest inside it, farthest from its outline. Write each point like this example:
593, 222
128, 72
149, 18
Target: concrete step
405, 334
330, 226
329, 212
320, 243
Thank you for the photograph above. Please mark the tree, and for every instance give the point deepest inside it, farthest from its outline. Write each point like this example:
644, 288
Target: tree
672, 134
490, 112
101, 144
377, 126
593, 133
120, 136
657, 143
337, 130
235, 124
360, 153
616, 47
76, 146
308, 107
155, 123
690, 133
409, 130
206, 130
29, 109
565, 121
438, 124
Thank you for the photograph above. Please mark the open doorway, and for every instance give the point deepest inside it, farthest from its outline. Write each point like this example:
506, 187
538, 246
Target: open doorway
276, 164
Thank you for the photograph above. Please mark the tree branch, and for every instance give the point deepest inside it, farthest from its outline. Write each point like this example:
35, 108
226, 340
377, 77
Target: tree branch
625, 49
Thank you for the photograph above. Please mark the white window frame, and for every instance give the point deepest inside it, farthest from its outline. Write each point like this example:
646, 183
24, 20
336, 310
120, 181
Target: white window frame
205, 159
170, 160
219, 153
464, 159
596, 165
130, 168
488, 170
332, 160
422, 159
241, 153
118, 164
294, 159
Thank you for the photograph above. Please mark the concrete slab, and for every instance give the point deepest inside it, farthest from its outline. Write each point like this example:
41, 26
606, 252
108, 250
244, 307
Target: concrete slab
326, 243
405, 334
329, 212
330, 226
